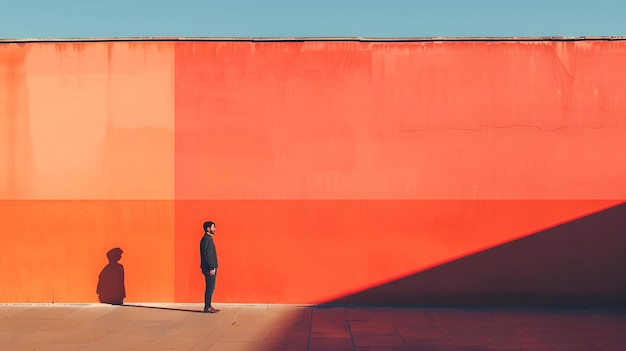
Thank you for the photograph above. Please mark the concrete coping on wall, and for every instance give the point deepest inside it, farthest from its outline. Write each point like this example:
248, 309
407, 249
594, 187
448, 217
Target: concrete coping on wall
304, 39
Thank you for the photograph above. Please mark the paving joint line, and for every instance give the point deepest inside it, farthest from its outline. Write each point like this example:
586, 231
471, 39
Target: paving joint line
351, 335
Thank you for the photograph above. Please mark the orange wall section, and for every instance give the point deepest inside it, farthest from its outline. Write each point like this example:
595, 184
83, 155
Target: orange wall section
86, 165
336, 171
88, 121
416, 120
54, 250
313, 251
335, 167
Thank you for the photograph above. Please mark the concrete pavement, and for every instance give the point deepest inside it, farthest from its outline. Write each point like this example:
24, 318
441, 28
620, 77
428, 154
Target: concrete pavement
71, 327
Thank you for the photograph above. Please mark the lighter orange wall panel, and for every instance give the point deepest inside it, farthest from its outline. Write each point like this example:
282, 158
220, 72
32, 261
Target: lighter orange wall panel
97, 121
15, 141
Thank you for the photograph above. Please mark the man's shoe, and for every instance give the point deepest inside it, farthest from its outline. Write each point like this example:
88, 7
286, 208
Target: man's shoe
213, 310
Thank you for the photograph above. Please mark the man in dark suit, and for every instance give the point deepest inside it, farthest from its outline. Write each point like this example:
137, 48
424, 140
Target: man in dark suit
208, 264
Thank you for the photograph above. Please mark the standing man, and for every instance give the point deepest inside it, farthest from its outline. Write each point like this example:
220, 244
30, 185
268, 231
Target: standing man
208, 264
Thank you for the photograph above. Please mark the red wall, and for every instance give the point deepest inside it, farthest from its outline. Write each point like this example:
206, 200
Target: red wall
331, 168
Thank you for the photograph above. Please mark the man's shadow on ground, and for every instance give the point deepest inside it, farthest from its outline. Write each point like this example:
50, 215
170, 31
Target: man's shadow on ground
164, 308
111, 288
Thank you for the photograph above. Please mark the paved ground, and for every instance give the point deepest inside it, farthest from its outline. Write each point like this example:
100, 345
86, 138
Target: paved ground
182, 327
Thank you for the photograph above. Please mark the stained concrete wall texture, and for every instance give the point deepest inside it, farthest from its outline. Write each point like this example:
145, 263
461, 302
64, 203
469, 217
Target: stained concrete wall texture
417, 172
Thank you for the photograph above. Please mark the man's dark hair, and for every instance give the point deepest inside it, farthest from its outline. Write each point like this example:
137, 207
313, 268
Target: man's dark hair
207, 225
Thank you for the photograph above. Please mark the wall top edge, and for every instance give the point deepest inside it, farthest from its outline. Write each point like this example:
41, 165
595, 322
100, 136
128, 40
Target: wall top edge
302, 39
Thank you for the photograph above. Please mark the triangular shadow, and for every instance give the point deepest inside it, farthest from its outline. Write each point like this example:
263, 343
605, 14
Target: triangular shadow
579, 263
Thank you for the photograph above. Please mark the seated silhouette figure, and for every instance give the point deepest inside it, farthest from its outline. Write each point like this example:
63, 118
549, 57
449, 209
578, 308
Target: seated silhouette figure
111, 287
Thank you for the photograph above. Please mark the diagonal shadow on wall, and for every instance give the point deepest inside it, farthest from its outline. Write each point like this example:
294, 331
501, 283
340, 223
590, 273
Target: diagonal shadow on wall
576, 264
579, 263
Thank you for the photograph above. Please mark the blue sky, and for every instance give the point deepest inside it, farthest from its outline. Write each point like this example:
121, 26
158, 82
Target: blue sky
312, 18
